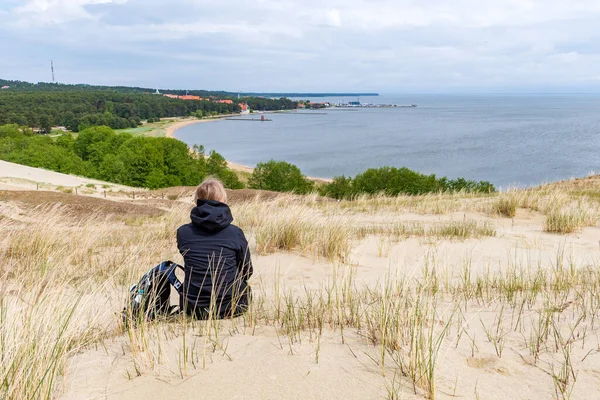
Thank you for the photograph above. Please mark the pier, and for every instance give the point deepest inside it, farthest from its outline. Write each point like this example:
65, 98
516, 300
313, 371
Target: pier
261, 119
355, 104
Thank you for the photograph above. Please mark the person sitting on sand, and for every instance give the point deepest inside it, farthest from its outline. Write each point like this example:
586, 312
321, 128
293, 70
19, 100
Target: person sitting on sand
217, 259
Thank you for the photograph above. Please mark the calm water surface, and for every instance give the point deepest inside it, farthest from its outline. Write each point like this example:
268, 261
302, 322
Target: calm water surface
505, 139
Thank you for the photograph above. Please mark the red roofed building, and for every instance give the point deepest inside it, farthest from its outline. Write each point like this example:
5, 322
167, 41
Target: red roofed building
225, 101
5, 87
190, 97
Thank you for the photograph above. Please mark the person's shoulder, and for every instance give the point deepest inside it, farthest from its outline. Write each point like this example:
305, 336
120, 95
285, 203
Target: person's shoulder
235, 230
185, 228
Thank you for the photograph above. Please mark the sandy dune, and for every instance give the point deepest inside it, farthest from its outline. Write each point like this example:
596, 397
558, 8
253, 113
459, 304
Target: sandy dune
261, 364
18, 177
261, 361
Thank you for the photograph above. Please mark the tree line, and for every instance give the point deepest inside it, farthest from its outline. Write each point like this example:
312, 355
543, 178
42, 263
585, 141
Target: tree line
266, 104
78, 110
77, 107
23, 86
50, 86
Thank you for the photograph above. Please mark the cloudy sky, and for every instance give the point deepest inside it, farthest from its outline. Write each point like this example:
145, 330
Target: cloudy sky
388, 46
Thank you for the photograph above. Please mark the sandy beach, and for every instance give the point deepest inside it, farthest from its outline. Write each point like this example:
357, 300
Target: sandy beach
172, 129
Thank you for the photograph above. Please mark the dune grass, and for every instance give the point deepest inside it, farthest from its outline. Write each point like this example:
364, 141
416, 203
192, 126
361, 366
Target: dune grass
566, 220
505, 206
286, 228
433, 203
64, 278
464, 229
413, 322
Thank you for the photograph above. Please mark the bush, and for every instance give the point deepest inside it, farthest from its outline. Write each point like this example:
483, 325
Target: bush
393, 181
339, 188
461, 184
11, 130
216, 165
279, 176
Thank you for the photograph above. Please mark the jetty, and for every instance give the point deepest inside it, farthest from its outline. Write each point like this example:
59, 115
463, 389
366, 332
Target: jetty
261, 119
357, 104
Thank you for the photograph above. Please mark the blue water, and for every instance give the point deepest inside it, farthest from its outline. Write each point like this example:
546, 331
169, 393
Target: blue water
519, 140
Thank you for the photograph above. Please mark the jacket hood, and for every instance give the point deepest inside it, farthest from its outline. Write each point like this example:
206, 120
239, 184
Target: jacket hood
211, 215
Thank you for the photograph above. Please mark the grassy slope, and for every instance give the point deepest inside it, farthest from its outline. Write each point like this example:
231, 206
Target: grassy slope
154, 129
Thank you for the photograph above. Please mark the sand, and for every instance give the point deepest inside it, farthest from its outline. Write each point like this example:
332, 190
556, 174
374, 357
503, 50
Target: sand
262, 364
170, 130
181, 122
18, 177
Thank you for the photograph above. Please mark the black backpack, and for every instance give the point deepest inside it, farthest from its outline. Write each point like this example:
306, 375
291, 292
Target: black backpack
149, 298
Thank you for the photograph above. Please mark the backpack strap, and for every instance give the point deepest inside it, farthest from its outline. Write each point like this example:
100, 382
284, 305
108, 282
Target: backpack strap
168, 268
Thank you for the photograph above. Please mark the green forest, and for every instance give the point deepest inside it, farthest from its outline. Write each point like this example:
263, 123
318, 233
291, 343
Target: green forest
100, 153
265, 104
77, 107
77, 110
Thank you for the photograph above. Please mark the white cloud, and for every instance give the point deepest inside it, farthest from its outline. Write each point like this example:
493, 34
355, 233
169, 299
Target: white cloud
328, 17
316, 44
57, 11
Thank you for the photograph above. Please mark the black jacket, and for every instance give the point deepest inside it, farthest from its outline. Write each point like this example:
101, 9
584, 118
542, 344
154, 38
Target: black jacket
216, 255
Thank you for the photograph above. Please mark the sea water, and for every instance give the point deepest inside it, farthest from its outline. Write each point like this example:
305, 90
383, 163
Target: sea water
509, 140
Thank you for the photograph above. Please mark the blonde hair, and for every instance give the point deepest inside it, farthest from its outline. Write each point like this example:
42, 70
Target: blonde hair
211, 189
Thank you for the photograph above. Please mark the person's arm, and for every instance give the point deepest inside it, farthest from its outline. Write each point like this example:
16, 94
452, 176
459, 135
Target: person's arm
244, 262
182, 251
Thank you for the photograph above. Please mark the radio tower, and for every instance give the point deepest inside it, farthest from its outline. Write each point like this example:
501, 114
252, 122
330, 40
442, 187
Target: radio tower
52, 69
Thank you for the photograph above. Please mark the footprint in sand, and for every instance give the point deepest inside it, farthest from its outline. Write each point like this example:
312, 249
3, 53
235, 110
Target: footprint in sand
490, 364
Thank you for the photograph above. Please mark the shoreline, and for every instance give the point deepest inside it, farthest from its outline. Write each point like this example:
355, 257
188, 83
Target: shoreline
172, 129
